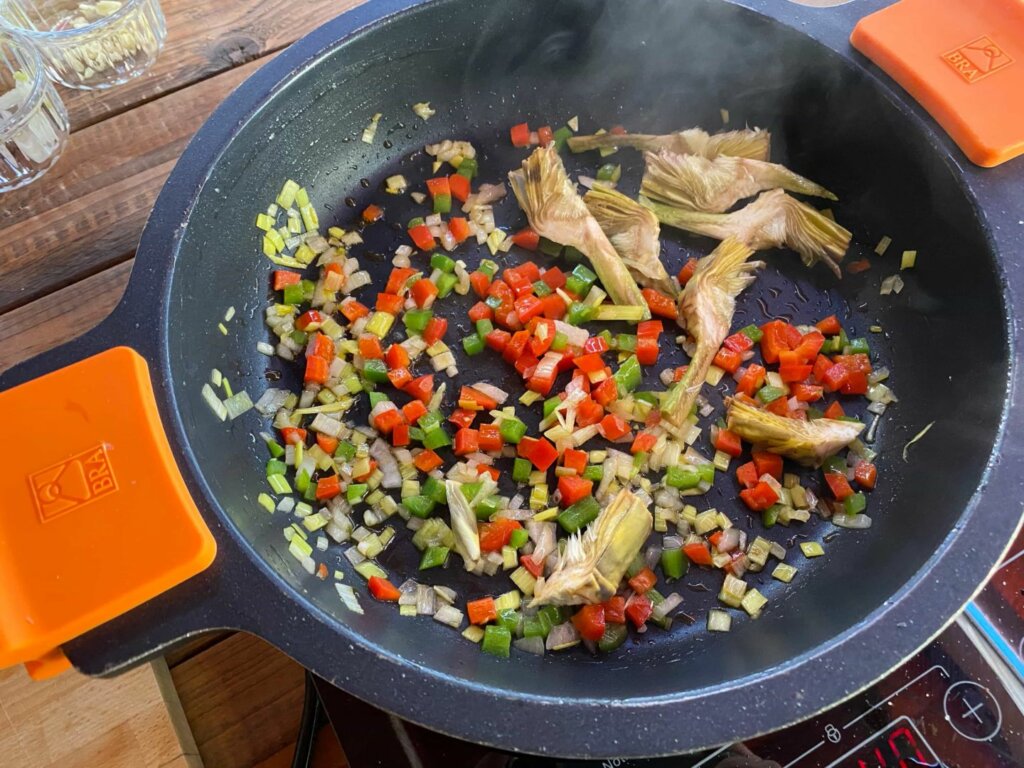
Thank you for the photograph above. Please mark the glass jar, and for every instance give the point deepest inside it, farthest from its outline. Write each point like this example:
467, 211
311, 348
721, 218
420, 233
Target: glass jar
90, 45
33, 121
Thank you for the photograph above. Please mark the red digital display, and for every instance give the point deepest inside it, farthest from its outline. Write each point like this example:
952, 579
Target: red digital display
900, 745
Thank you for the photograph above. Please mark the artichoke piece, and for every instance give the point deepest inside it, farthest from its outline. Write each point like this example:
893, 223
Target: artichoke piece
467, 539
806, 442
714, 186
754, 143
774, 220
558, 213
633, 230
595, 560
706, 306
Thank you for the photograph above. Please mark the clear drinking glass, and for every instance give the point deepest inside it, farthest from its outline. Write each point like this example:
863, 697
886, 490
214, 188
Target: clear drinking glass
33, 121
90, 45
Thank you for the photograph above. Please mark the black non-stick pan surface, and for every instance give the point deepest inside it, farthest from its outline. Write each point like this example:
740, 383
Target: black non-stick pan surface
941, 518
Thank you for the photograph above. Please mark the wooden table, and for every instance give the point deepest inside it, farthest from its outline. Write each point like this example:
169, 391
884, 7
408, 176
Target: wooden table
66, 248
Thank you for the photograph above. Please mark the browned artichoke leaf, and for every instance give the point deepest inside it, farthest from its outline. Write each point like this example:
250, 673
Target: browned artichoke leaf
716, 185
595, 560
805, 442
633, 230
754, 143
706, 307
557, 212
773, 220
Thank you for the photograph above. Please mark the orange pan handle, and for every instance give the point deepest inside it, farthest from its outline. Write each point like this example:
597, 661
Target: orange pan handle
96, 518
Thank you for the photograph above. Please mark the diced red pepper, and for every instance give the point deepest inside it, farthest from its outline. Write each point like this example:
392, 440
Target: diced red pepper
474, 398
792, 373
728, 442
481, 611
385, 421
498, 339
293, 435
768, 463
539, 451
490, 437
590, 622
494, 536
835, 377
372, 213
855, 384
369, 347
647, 349
643, 442
589, 363
516, 346
747, 474
660, 304
834, 411
687, 271
398, 279
865, 473
390, 303
396, 356
807, 393
698, 553
859, 363
573, 488
839, 485
480, 283
283, 278
821, 365
728, 360
462, 417
427, 461
318, 370
435, 330
752, 379
421, 237
480, 311
760, 497
779, 406
327, 443
459, 228
322, 346
554, 307
459, 186
738, 342
554, 277
639, 610
606, 393
412, 411
829, 326
424, 292
615, 609
613, 427
643, 581
382, 589
439, 186
421, 388
774, 340
526, 238
809, 347
528, 307
328, 487
545, 135
517, 280
400, 436
575, 460
309, 320
535, 569
467, 440
588, 412
353, 310
399, 377
595, 345
520, 135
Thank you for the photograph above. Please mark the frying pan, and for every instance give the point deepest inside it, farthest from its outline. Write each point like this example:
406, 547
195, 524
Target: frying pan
942, 518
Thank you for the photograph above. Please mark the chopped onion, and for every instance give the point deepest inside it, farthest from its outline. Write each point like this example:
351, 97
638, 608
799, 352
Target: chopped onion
387, 464
652, 556
237, 404
891, 284
493, 392
426, 601
530, 645
562, 636
666, 606
449, 615
214, 402
349, 598
575, 335
858, 522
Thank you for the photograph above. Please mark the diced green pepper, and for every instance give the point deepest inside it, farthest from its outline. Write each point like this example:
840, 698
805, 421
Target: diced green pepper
752, 332
433, 557
542, 289
438, 438
771, 515
625, 342
512, 430
521, 470
707, 473
614, 636
580, 281
355, 492
473, 345
834, 464
468, 167
376, 398
509, 619
275, 467
302, 481
549, 247
415, 222
275, 448
678, 477
579, 514
857, 347
416, 319
493, 302
446, 283
674, 563
420, 506
488, 267
560, 342
855, 503
518, 538
376, 371
579, 313
292, 294
442, 261
551, 404
561, 137
345, 450
299, 337
434, 490
442, 203
484, 327
497, 641
628, 377
609, 172
594, 472
534, 626
487, 507
551, 615
768, 394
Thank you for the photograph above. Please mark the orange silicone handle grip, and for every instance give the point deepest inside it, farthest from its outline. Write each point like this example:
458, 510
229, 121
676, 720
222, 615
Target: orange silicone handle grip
96, 518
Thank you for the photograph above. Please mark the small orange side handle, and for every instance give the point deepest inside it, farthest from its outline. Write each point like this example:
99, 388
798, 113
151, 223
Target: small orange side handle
95, 518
